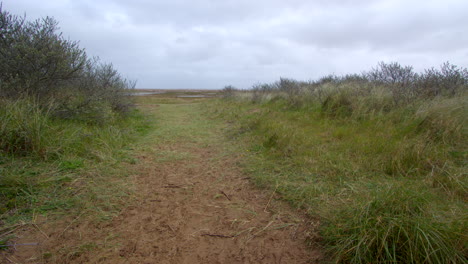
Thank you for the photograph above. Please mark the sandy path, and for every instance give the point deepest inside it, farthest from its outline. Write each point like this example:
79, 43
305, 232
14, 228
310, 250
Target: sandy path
193, 204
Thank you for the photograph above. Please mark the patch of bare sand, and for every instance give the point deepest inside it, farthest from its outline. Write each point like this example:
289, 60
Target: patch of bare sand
201, 209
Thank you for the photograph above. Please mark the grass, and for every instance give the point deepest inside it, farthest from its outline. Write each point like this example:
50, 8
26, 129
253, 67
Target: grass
393, 224
178, 120
57, 167
388, 183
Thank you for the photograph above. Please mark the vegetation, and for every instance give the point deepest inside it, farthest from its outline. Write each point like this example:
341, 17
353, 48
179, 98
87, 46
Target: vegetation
65, 121
379, 157
38, 63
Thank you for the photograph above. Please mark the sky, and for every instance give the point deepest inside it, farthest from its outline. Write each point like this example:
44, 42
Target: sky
208, 44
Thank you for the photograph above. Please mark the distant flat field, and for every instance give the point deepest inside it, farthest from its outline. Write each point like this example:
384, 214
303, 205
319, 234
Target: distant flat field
177, 90
175, 93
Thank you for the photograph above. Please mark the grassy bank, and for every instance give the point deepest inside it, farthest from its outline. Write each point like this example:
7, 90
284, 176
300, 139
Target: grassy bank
386, 177
65, 124
50, 166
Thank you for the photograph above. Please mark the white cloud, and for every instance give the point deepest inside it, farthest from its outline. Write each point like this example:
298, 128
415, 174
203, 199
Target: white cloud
208, 43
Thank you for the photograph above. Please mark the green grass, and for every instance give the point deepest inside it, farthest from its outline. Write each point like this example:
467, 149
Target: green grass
389, 186
55, 167
179, 120
397, 223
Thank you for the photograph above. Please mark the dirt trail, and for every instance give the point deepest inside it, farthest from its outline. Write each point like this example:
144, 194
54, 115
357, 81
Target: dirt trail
193, 204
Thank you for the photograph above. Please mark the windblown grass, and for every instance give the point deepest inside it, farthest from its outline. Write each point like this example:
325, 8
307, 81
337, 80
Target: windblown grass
396, 224
51, 165
387, 178
23, 127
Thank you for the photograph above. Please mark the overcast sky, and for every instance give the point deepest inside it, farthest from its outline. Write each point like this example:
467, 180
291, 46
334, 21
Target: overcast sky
207, 44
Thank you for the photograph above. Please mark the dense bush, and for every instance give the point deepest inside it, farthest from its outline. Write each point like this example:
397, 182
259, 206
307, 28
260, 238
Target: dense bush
44, 76
37, 62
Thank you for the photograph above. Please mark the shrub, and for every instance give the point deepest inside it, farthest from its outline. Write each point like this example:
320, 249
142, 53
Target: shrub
229, 91
449, 81
38, 62
400, 82
392, 74
261, 91
35, 60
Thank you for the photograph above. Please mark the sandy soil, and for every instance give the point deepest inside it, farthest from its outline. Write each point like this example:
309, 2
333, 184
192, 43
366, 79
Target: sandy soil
197, 208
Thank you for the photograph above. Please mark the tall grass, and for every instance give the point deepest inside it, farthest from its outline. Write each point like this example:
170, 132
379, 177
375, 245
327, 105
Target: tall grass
394, 224
42, 155
381, 161
23, 127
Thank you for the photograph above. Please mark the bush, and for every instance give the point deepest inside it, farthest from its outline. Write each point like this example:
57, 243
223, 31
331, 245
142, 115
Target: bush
390, 80
38, 62
100, 94
449, 81
229, 91
35, 60
392, 74
261, 91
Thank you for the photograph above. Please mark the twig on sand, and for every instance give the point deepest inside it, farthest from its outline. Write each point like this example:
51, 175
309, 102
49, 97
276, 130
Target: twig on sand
225, 195
217, 235
231, 236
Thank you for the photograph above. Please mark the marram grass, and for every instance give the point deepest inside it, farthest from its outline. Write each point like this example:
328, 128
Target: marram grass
394, 224
388, 180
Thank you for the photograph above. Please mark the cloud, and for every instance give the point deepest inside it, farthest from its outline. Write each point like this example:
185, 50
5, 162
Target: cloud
208, 43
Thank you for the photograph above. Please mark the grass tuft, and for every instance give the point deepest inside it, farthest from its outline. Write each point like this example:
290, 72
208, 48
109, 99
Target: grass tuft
393, 225
23, 127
